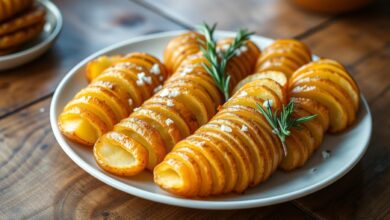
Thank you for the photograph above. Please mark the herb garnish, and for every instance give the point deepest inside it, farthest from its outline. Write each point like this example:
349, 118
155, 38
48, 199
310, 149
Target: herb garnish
218, 60
282, 121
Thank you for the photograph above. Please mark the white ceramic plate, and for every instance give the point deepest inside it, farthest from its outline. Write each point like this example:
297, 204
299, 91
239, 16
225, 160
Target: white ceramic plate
36, 47
346, 148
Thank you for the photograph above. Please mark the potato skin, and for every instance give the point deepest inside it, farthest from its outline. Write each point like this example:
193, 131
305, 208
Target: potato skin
111, 95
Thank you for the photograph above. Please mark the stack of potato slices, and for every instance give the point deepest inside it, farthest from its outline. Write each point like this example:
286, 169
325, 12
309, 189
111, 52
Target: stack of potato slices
285, 55
110, 97
20, 22
235, 150
187, 100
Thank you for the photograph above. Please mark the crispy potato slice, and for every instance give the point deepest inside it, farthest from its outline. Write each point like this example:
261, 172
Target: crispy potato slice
176, 109
227, 158
203, 148
173, 176
127, 83
261, 92
342, 81
241, 155
206, 85
205, 171
97, 66
112, 100
277, 76
263, 155
118, 154
193, 170
146, 135
313, 126
314, 108
336, 91
168, 130
292, 159
269, 84
337, 114
190, 99
82, 126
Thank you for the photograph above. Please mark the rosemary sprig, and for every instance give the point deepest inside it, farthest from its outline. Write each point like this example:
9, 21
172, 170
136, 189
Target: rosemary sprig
218, 60
282, 121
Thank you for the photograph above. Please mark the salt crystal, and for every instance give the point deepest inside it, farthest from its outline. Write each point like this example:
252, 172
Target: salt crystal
242, 94
155, 69
170, 103
325, 154
268, 103
130, 101
226, 128
148, 80
158, 88
164, 93
243, 49
161, 78
174, 93
168, 121
244, 128
140, 82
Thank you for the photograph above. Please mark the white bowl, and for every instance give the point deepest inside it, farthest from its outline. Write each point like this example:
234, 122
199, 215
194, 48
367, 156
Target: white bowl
36, 47
347, 148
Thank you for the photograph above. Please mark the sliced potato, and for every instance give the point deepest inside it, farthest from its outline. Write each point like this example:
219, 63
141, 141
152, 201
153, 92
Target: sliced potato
118, 154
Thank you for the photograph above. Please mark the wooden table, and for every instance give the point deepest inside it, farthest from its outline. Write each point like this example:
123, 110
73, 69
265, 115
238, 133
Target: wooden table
38, 180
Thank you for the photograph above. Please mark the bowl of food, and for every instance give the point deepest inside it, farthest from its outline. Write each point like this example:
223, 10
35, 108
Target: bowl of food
27, 31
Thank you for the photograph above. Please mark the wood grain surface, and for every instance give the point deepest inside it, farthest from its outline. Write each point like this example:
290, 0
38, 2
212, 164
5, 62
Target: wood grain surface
38, 181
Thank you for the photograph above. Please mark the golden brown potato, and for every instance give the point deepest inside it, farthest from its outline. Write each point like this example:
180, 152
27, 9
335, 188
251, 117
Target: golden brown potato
328, 82
285, 55
110, 97
238, 143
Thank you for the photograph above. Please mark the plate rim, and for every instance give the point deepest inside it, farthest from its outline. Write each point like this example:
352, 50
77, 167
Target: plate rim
185, 202
50, 6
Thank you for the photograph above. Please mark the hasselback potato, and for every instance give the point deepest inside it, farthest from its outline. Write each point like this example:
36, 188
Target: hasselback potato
329, 83
181, 47
187, 100
232, 152
324, 88
285, 55
110, 97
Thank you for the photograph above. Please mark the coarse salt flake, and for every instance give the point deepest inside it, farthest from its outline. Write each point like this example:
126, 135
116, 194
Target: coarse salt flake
168, 121
325, 154
226, 128
155, 69
267, 103
170, 103
244, 128
242, 94
140, 82
130, 101
158, 88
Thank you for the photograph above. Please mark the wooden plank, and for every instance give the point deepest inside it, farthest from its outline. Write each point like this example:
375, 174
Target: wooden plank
38, 180
275, 19
361, 41
87, 28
